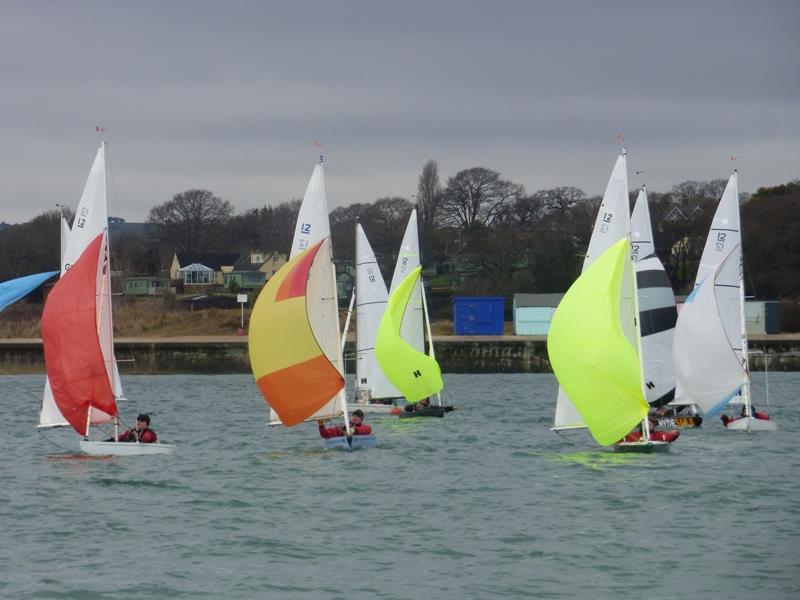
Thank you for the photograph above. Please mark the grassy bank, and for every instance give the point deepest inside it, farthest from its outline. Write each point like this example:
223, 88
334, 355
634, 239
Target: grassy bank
153, 317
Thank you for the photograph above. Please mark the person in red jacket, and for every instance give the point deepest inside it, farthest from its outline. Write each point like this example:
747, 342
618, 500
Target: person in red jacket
141, 433
357, 426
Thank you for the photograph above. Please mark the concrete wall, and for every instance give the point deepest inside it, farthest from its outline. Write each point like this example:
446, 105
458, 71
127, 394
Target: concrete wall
462, 354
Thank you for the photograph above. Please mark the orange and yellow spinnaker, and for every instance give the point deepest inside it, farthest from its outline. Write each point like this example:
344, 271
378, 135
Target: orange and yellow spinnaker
291, 370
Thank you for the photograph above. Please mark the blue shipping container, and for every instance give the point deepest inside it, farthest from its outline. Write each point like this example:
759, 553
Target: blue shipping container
478, 315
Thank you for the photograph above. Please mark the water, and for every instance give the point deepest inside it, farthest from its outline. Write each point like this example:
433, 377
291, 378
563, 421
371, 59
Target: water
485, 503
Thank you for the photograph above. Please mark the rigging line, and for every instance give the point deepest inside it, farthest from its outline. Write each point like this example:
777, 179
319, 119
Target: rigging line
59, 446
21, 381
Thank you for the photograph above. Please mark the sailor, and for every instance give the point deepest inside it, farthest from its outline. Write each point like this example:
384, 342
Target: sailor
357, 426
141, 433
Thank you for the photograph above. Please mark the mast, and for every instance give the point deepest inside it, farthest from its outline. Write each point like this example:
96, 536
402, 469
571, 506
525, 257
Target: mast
748, 409
428, 329
638, 333
347, 320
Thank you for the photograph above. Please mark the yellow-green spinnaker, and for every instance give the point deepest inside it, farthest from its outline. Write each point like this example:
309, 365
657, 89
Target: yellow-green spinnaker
415, 374
591, 356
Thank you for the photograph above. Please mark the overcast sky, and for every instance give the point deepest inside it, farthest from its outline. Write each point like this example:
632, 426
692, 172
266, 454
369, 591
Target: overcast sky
232, 95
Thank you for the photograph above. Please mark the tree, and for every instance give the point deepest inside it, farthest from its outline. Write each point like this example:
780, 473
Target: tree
476, 197
31, 247
193, 221
560, 199
429, 195
269, 228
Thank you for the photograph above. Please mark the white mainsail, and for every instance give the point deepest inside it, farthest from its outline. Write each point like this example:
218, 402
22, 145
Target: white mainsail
715, 311
323, 306
408, 259
612, 224
657, 312
91, 219
371, 299
706, 363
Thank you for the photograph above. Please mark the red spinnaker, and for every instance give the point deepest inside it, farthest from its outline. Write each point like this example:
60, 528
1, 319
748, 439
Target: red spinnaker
72, 354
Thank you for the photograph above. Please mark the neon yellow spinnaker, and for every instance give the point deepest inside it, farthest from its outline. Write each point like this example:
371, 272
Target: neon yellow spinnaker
415, 374
591, 356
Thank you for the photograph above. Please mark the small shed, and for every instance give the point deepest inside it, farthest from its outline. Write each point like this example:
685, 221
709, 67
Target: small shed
762, 317
533, 313
478, 315
148, 286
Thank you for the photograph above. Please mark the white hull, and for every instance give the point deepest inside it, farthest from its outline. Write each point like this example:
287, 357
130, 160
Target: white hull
752, 424
125, 448
372, 409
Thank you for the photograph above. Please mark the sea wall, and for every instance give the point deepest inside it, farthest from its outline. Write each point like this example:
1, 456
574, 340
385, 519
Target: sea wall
456, 354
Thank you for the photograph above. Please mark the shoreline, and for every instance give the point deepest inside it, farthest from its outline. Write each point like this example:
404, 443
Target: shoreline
456, 354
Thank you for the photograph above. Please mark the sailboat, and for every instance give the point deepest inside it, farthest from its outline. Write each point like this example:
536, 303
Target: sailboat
611, 224
417, 375
657, 316
293, 339
594, 341
710, 346
373, 390
77, 328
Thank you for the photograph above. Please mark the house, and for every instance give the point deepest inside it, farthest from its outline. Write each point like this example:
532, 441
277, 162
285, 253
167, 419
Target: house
147, 286
533, 313
345, 282
253, 270
202, 268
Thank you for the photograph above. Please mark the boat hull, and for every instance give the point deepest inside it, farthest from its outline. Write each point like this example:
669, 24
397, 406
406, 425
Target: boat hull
679, 422
373, 409
125, 448
356, 442
650, 447
431, 411
752, 424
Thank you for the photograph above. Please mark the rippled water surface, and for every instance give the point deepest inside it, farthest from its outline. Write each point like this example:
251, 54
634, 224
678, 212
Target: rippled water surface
485, 503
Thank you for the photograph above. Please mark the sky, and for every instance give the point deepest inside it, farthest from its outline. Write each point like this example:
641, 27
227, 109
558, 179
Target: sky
240, 97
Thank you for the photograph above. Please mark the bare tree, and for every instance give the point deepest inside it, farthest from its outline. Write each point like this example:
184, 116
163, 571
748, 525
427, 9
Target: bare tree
561, 199
193, 221
476, 196
429, 194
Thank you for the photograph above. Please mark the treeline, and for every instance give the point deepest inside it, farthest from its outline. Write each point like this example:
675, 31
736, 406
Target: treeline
483, 234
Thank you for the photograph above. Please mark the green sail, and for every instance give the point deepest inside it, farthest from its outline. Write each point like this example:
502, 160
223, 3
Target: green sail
415, 374
590, 355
